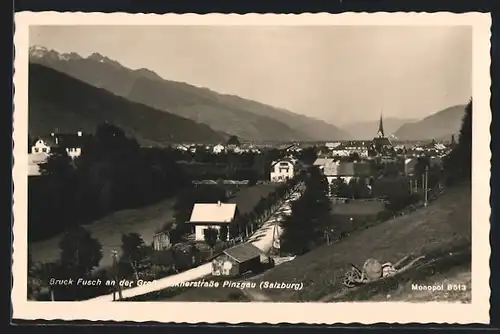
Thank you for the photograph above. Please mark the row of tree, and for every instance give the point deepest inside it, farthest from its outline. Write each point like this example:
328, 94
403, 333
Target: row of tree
242, 226
80, 255
458, 164
246, 224
305, 228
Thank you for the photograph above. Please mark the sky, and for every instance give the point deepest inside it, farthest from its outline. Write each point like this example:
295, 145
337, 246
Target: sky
341, 74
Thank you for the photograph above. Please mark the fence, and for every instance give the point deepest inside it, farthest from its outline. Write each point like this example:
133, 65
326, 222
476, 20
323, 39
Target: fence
215, 182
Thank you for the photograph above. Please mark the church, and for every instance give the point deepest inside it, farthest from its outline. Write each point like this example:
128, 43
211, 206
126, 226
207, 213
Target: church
381, 145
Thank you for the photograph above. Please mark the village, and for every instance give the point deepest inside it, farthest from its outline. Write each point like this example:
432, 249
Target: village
242, 196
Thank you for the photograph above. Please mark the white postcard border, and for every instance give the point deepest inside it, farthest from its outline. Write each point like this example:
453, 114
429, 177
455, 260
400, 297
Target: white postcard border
272, 313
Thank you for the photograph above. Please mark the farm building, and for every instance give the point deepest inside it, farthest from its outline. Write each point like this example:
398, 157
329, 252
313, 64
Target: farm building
238, 260
181, 257
161, 241
211, 215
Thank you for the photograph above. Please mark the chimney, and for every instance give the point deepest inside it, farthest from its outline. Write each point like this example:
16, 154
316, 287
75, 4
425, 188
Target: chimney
79, 133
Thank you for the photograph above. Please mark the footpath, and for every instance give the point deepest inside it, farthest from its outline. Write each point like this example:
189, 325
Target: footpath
262, 239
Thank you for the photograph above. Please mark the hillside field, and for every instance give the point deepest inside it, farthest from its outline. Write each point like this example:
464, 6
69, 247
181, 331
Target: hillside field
109, 229
441, 231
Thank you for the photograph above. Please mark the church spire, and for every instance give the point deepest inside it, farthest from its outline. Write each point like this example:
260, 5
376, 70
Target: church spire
380, 132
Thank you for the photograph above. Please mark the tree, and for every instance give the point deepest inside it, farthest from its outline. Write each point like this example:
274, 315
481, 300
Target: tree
306, 226
80, 252
340, 188
39, 275
223, 233
233, 140
132, 250
354, 156
131, 245
423, 163
211, 234
458, 163
308, 155
57, 164
362, 190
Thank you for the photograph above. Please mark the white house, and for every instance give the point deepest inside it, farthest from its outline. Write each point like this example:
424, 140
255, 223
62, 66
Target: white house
219, 148
211, 215
72, 143
182, 147
410, 164
294, 148
331, 146
282, 170
43, 145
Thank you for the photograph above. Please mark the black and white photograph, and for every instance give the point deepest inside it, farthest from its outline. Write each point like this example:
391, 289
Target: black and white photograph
238, 163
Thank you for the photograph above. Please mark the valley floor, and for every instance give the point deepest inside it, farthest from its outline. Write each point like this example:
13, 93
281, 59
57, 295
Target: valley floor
108, 230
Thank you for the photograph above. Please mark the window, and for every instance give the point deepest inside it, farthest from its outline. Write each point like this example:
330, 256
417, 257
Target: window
35, 149
44, 149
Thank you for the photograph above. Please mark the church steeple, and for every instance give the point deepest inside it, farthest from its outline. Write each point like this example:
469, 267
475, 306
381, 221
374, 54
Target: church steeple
380, 132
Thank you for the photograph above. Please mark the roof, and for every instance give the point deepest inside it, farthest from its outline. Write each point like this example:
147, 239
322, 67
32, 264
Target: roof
213, 213
362, 169
319, 162
345, 168
49, 141
248, 197
243, 252
381, 141
290, 160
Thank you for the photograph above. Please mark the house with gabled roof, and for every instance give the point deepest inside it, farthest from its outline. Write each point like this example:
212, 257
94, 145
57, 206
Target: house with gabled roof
283, 170
238, 260
211, 215
43, 144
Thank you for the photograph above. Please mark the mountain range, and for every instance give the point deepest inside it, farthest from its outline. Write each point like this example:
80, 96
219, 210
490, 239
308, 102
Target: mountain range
160, 111
439, 126
368, 129
225, 114
58, 101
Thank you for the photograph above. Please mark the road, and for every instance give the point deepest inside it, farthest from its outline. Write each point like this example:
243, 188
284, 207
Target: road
262, 239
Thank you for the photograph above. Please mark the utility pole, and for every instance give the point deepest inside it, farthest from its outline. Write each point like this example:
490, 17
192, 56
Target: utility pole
117, 282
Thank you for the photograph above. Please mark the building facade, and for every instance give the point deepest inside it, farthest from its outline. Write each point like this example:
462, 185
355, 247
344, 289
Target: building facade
211, 215
238, 260
282, 170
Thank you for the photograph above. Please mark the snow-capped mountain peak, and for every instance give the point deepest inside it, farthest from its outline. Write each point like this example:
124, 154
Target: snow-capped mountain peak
38, 52
103, 59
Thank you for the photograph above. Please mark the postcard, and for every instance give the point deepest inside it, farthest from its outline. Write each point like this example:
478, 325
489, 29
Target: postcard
313, 168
